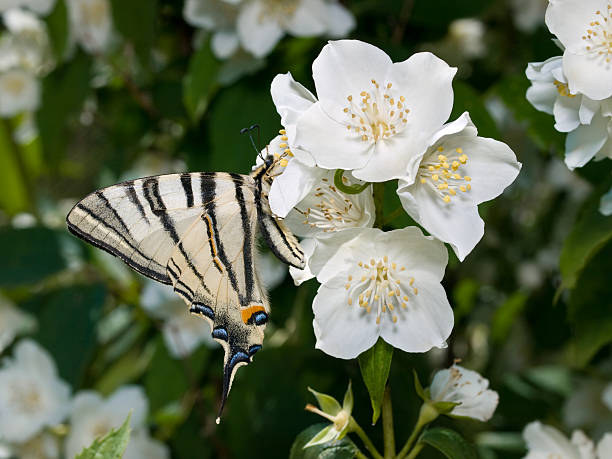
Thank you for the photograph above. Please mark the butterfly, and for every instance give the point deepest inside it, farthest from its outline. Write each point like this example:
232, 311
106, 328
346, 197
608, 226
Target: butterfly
197, 231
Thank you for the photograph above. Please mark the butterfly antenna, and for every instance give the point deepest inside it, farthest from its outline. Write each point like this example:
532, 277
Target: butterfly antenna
249, 131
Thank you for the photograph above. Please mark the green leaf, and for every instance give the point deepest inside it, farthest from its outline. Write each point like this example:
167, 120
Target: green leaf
340, 449
375, 364
418, 386
327, 403
589, 309
347, 403
110, 446
505, 316
590, 233
58, 29
29, 255
449, 443
13, 192
444, 407
136, 21
63, 94
199, 83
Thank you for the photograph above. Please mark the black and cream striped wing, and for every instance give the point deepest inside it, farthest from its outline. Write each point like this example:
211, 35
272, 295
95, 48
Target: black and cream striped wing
213, 269
197, 232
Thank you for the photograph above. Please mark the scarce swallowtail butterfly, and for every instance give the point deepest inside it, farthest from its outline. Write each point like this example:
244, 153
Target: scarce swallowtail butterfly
196, 231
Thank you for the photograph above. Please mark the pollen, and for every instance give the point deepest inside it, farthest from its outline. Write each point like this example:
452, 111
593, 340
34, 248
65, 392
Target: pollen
379, 286
442, 172
597, 40
377, 111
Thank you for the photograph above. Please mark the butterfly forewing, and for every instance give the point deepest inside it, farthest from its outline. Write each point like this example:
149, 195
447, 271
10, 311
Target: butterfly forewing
197, 232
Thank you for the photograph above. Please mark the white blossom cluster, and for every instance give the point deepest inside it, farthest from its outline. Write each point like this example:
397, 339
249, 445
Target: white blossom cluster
375, 121
576, 88
25, 54
545, 442
36, 405
256, 26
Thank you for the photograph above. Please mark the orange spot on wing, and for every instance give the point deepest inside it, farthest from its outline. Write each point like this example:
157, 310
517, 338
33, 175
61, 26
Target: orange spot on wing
248, 312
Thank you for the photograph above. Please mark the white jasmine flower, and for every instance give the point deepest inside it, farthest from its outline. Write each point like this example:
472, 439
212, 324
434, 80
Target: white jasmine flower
380, 284
589, 141
528, 14
183, 332
545, 441
93, 416
374, 117
326, 209
40, 7
549, 93
219, 17
458, 171
468, 35
583, 27
604, 447
26, 45
297, 174
32, 396
19, 92
13, 322
262, 23
141, 446
42, 446
467, 388
91, 24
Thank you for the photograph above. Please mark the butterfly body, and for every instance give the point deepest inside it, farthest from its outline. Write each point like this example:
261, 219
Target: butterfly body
197, 232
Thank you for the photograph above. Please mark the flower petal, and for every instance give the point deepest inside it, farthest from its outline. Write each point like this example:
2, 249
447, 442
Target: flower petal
291, 100
340, 21
541, 438
290, 187
566, 113
224, 43
588, 75
426, 323
455, 222
569, 19
583, 143
426, 83
342, 331
346, 67
302, 275
309, 19
258, 32
329, 142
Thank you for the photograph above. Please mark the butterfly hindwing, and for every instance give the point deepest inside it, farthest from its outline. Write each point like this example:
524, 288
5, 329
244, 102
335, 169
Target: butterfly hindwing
212, 268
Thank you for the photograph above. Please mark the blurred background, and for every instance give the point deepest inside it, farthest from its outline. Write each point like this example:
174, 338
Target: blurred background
153, 90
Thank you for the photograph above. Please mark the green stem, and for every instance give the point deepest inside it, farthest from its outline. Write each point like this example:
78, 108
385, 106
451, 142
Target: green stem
387, 422
360, 455
427, 414
348, 189
415, 451
396, 213
354, 427
379, 200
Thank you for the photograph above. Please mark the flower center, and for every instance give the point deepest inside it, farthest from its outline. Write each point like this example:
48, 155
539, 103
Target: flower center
376, 114
27, 398
598, 36
281, 10
94, 14
378, 288
442, 173
13, 84
333, 209
563, 89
